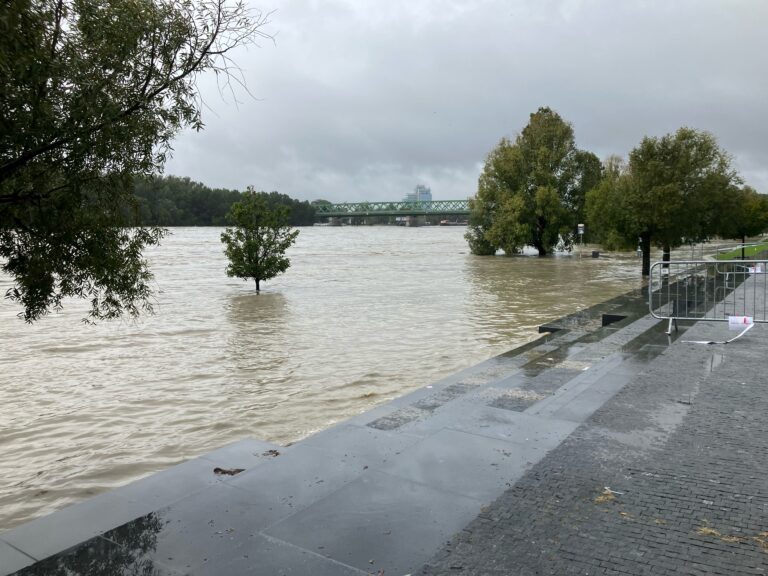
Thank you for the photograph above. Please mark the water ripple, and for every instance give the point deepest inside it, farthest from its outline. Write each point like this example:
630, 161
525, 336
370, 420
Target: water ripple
363, 315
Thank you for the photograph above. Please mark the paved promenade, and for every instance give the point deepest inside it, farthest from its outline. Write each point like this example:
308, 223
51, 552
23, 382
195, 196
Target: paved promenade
598, 449
669, 477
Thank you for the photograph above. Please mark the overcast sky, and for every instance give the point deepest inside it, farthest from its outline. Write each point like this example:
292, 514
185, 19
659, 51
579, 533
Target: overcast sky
364, 99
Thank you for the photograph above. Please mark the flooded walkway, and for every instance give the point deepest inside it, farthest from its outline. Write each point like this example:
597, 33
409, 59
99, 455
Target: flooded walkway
378, 494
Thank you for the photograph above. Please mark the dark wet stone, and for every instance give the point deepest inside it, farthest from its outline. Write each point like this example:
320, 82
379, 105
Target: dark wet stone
99, 557
397, 419
515, 403
381, 518
444, 396
690, 479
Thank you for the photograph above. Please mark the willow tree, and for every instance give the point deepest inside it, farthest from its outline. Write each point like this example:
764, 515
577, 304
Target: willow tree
92, 92
532, 191
670, 193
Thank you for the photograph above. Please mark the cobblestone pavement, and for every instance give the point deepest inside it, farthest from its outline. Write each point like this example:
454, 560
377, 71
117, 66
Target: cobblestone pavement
668, 477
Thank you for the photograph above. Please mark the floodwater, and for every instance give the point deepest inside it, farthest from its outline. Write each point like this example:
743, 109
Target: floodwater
363, 315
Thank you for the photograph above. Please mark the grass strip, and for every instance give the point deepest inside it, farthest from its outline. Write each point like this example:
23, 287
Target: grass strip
749, 252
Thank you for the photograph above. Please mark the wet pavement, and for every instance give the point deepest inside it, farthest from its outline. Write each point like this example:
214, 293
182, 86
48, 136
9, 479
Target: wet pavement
669, 476
421, 484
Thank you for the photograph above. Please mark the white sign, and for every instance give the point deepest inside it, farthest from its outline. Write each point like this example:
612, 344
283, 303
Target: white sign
581, 228
739, 322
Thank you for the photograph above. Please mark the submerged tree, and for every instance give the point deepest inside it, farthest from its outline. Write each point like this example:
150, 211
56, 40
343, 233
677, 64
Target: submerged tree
671, 192
257, 242
91, 94
532, 191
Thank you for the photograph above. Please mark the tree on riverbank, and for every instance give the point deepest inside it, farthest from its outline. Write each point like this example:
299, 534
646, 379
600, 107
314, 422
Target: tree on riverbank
92, 94
532, 191
256, 244
744, 213
673, 191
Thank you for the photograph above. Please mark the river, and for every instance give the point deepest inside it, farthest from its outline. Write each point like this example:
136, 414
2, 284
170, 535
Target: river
363, 315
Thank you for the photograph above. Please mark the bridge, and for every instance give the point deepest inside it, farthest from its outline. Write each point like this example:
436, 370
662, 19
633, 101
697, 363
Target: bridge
432, 208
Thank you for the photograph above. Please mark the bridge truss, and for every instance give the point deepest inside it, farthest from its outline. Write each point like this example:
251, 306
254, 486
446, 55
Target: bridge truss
434, 207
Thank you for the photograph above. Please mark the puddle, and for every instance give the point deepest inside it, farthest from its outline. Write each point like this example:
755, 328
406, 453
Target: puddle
715, 360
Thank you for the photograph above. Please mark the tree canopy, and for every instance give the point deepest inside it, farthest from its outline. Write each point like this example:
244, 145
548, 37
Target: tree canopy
92, 93
671, 192
532, 191
258, 240
744, 213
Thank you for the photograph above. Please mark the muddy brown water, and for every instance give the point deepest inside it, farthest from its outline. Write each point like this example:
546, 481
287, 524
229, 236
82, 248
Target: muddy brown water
363, 315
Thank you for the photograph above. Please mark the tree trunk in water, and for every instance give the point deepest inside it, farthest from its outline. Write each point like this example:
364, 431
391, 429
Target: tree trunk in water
538, 237
257, 284
665, 255
645, 245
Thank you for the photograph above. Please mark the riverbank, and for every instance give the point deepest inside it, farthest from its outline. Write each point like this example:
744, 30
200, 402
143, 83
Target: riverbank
364, 315
603, 446
368, 484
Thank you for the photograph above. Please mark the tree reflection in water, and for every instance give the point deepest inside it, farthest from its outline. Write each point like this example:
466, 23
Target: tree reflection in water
257, 342
125, 551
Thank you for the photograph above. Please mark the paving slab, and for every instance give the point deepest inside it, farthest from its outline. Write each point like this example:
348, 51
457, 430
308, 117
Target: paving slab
581, 406
210, 527
441, 462
273, 557
362, 446
488, 421
296, 478
177, 482
12, 559
379, 522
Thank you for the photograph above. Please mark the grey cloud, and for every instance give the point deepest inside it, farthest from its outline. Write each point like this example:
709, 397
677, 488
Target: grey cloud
364, 99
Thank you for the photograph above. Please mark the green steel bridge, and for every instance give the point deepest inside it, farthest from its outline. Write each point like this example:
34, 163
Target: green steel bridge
432, 208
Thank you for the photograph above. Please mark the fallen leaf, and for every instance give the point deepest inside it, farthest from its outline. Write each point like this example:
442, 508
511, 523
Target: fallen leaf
228, 471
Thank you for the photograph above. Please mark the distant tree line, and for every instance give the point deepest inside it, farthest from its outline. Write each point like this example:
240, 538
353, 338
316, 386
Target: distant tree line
674, 190
174, 201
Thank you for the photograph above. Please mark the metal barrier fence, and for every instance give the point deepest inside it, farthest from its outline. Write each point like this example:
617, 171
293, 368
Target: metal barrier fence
721, 250
709, 290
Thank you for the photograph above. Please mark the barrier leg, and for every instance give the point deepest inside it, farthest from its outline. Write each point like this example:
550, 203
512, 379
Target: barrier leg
669, 326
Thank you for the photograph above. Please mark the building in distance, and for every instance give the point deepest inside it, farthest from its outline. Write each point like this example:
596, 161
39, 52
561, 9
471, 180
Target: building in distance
420, 194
